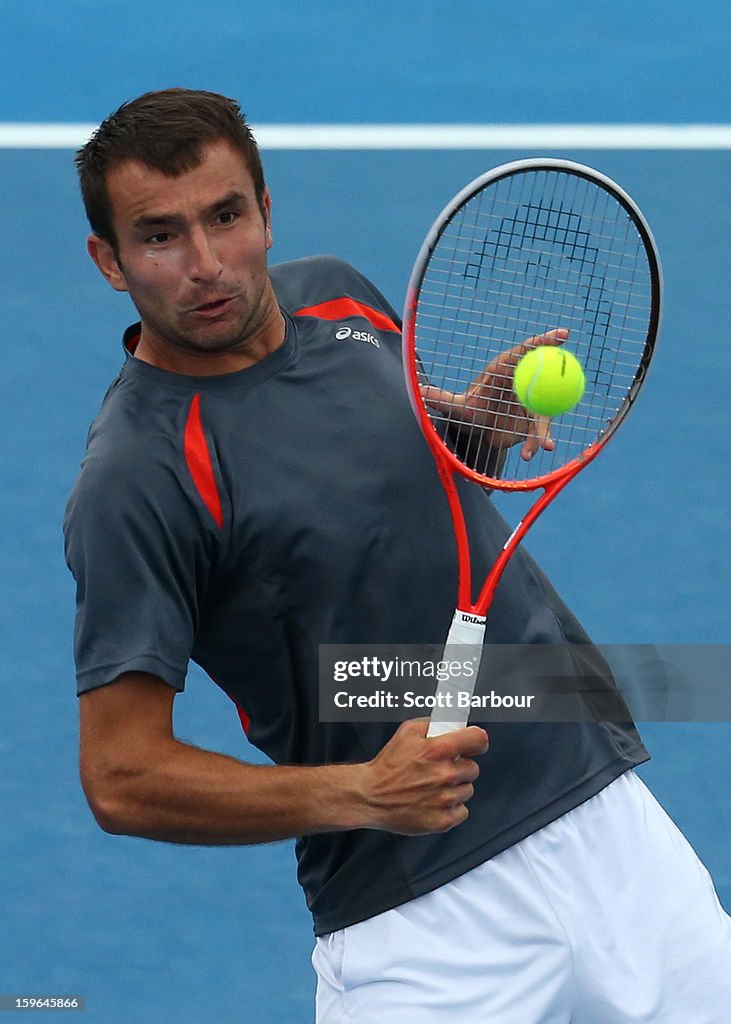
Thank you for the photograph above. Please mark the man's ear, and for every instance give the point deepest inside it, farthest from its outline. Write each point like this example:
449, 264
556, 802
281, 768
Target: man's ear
103, 255
268, 218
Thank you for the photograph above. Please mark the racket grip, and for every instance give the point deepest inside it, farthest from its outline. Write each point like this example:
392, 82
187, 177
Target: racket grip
466, 628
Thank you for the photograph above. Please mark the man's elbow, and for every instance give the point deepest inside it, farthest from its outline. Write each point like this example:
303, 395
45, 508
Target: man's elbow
112, 810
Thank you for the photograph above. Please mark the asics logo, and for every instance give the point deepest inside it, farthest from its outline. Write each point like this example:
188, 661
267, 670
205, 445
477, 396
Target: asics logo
343, 333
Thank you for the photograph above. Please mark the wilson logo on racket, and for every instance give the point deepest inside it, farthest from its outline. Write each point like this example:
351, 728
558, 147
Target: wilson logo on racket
343, 333
477, 620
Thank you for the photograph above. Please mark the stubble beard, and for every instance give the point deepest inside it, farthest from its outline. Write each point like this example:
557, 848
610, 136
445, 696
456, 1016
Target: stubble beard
205, 340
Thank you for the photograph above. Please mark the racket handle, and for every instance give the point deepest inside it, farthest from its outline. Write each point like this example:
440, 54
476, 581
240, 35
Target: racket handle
466, 628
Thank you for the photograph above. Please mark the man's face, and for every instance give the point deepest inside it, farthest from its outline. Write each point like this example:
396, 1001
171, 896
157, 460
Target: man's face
192, 253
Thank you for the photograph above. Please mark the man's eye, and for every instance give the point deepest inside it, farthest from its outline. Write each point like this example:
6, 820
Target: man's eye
160, 238
227, 218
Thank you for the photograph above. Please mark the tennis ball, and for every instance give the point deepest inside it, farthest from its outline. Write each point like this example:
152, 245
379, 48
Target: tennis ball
548, 380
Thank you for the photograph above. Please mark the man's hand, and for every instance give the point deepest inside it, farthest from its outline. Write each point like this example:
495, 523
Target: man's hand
417, 785
490, 404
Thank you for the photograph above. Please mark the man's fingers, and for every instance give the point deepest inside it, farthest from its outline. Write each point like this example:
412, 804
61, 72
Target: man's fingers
540, 437
555, 337
439, 399
466, 742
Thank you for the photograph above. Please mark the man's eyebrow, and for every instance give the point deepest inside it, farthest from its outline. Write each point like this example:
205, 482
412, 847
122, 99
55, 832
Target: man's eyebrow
233, 198
151, 220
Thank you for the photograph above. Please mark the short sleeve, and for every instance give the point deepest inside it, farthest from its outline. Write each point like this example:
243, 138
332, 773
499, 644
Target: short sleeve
141, 557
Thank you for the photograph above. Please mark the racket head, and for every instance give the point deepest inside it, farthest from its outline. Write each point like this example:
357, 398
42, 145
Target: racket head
527, 247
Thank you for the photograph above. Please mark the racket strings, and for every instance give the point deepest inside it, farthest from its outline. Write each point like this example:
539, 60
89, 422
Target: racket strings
530, 253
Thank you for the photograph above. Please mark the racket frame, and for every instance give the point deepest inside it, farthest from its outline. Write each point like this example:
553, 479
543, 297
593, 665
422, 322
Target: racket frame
447, 462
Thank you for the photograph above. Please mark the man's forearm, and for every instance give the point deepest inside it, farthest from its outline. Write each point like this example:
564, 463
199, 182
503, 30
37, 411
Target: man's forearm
200, 797
470, 447
180, 794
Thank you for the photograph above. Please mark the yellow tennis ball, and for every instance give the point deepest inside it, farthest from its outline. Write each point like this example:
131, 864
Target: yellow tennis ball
548, 380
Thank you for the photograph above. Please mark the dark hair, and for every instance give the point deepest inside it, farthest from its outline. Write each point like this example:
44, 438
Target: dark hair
167, 131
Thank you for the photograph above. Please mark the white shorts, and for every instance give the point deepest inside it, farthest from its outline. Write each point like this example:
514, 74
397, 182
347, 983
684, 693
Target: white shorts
605, 916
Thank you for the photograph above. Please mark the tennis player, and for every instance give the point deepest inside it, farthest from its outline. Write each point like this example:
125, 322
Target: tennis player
256, 485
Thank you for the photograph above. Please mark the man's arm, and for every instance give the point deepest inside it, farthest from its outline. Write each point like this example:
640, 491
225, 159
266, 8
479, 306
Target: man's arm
140, 780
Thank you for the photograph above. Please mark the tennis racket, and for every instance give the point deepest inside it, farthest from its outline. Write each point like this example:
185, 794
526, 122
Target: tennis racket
533, 252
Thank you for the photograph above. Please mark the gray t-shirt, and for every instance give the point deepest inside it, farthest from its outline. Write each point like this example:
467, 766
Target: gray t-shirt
243, 520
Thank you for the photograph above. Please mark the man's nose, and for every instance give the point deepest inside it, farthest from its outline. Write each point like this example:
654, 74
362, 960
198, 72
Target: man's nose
203, 262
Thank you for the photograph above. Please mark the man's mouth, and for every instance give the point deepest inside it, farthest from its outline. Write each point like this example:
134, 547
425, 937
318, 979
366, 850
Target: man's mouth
213, 307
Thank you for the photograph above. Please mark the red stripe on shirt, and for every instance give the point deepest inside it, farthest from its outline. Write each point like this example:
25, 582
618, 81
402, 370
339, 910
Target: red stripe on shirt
339, 309
243, 717
199, 462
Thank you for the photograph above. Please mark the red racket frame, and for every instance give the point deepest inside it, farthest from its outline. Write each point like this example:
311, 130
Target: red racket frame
447, 462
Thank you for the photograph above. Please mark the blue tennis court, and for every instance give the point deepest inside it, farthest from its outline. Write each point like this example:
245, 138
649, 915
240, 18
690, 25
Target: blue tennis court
150, 932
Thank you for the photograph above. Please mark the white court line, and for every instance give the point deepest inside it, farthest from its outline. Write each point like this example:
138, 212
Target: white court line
421, 136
